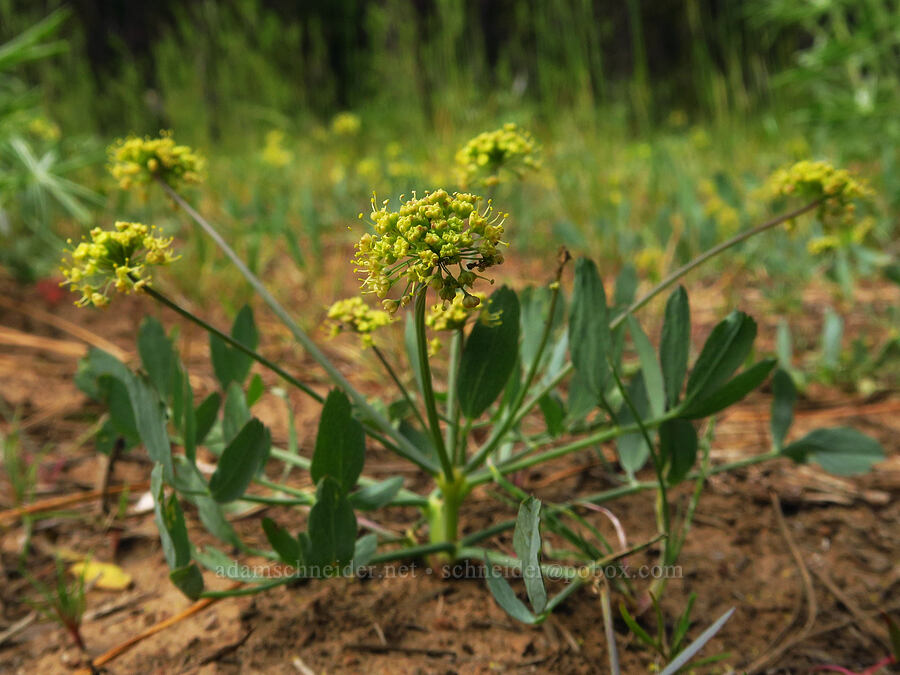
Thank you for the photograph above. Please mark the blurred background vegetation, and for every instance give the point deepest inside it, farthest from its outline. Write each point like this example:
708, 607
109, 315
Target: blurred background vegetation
659, 119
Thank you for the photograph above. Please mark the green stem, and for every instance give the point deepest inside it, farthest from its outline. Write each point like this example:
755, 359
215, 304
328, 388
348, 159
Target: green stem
403, 446
616, 493
520, 462
259, 358
453, 446
404, 497
663, 514
434, 423
493, 441
393, 375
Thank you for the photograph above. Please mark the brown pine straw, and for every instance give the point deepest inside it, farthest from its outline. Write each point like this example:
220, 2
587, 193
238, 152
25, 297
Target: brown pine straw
812, 606
67, 500
750, 414
117, 651
66, 326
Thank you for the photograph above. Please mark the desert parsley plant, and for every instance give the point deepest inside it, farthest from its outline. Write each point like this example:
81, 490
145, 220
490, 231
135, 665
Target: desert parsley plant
531, 377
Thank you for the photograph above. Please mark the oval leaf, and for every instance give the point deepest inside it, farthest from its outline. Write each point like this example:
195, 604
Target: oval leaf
841, 451
589, 337
731, 392
240, 462
675, 344
489, 355
527, 544
725, 350
340, 443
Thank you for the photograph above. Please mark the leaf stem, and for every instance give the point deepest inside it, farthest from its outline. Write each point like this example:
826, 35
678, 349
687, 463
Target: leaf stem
434, 423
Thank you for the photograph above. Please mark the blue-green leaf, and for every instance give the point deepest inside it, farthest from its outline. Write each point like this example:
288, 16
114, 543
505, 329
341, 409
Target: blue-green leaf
157, 355
170, 523
332, 526
839, 450
731, 392
235, 414
188, 579
675, 343
489, 355
506, 597
784, 394
230, 364
285, 545
725, 350
241, 460
677, 448
589, 337
340, 443
372, 497
527, 544
650, 368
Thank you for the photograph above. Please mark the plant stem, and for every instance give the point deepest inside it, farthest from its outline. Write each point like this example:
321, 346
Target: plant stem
665, 524
393, 375
403, 446
453, 446
256, 356
615, 493
434, 423
493, 441
523, 462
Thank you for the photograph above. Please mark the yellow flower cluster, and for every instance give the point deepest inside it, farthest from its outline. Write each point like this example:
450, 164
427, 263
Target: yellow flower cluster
422, 240
274, 153
452, 315
138, 161
355, 315
114, 259
346, 124
724, 214
811, 180
507, 149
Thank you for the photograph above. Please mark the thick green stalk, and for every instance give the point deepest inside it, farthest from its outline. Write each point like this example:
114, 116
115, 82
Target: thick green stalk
434, 422
403, 446
453, 446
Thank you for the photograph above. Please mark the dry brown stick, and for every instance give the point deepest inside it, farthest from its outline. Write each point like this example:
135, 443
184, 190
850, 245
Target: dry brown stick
66, 500
16, 338
66, 326
865, 621
808, 591
117, 651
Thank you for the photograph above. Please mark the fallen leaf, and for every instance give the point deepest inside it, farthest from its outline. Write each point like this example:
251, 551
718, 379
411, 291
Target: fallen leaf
105, 576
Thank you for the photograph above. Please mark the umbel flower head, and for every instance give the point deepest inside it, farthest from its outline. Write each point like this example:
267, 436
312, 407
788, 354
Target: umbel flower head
116, 259
355, 315
452, 315
438, 240
509, 148
138, 161
811, 180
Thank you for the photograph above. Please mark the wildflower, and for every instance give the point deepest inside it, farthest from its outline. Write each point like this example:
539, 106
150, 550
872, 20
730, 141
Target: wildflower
117, 259
137, 161
821, 245
424, 239
355, 315
274, 154
346, 124
454, 314
811, 180
508, 149
44, 129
